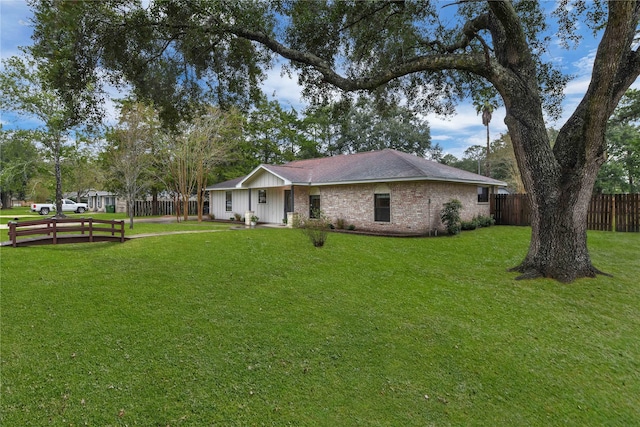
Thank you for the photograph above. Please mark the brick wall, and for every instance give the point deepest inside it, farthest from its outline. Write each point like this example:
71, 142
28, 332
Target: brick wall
415, 206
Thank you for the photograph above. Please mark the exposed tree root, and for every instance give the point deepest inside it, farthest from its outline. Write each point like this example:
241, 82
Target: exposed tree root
563, 276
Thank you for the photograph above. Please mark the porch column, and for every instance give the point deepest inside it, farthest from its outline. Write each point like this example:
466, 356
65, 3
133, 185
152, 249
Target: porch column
291, 216
293, 208
249, 213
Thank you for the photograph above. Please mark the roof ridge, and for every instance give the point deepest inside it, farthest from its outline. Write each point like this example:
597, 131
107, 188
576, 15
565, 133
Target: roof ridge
403, 156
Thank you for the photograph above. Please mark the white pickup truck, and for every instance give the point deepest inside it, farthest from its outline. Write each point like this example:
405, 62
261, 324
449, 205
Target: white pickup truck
67, 206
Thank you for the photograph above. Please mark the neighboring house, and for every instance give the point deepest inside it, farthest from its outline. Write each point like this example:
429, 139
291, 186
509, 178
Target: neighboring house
387, 191
99, 200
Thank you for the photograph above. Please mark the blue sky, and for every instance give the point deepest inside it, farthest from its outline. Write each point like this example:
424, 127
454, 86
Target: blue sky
454, 134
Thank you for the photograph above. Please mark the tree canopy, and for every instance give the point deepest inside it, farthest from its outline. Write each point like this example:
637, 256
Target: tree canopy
24, 89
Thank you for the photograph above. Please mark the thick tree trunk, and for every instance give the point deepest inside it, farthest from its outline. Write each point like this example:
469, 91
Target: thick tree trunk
558, 247
559, 185
5, 199
559, 180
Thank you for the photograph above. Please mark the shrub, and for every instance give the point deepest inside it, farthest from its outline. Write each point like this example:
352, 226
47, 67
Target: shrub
485, 221
469, 225
316, 229
237, 216
340, 223
450, 216
351, 227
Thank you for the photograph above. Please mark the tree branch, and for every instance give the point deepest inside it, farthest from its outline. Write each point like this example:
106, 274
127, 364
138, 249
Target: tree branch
475, 63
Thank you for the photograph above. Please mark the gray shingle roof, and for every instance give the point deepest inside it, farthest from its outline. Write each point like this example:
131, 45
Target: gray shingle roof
373, 166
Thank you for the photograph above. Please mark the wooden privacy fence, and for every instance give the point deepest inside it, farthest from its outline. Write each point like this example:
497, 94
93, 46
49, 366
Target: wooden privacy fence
162, 207
607, 212
627, 212
511, 209
57, 230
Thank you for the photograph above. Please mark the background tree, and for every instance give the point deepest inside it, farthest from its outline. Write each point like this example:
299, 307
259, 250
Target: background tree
19, 162
128, 157
216, 135
621, 171
80, 169
504, 164
321, 127
365, 129
486, 108
24, 90
274, 132
394, 50
472, 159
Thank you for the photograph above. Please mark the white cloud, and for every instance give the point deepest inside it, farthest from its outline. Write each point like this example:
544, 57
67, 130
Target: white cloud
584, 65
578, 86
284, 88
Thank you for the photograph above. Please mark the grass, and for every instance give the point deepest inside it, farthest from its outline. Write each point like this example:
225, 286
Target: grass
258, 327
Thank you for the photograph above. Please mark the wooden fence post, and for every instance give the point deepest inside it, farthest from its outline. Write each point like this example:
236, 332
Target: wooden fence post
12, 233
55, 230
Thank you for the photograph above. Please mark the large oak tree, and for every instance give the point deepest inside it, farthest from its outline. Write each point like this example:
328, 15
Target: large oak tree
429, 53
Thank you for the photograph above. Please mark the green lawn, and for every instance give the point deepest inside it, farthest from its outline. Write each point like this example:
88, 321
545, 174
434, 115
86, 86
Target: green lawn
258, 327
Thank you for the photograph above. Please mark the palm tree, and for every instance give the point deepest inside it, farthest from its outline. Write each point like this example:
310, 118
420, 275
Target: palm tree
486, 109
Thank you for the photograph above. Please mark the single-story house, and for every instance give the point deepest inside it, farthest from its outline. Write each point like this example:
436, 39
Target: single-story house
99, 200
386, 191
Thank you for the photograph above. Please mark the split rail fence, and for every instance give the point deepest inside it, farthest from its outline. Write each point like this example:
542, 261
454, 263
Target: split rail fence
607, 212
65, 230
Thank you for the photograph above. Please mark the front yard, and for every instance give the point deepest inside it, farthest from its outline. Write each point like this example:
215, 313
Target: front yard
258, 327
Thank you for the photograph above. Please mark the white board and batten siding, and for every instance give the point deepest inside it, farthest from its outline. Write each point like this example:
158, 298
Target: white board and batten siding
218, 203
272, 210
264, 180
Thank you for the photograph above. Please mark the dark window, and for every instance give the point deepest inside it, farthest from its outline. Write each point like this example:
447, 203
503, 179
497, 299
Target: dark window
314, 206
483, 194
228, 201
262, 196
382, 207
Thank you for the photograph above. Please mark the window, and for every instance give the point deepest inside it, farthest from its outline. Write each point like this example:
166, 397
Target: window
228, 201
314, 206
382, 207
262, 196
483, 194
